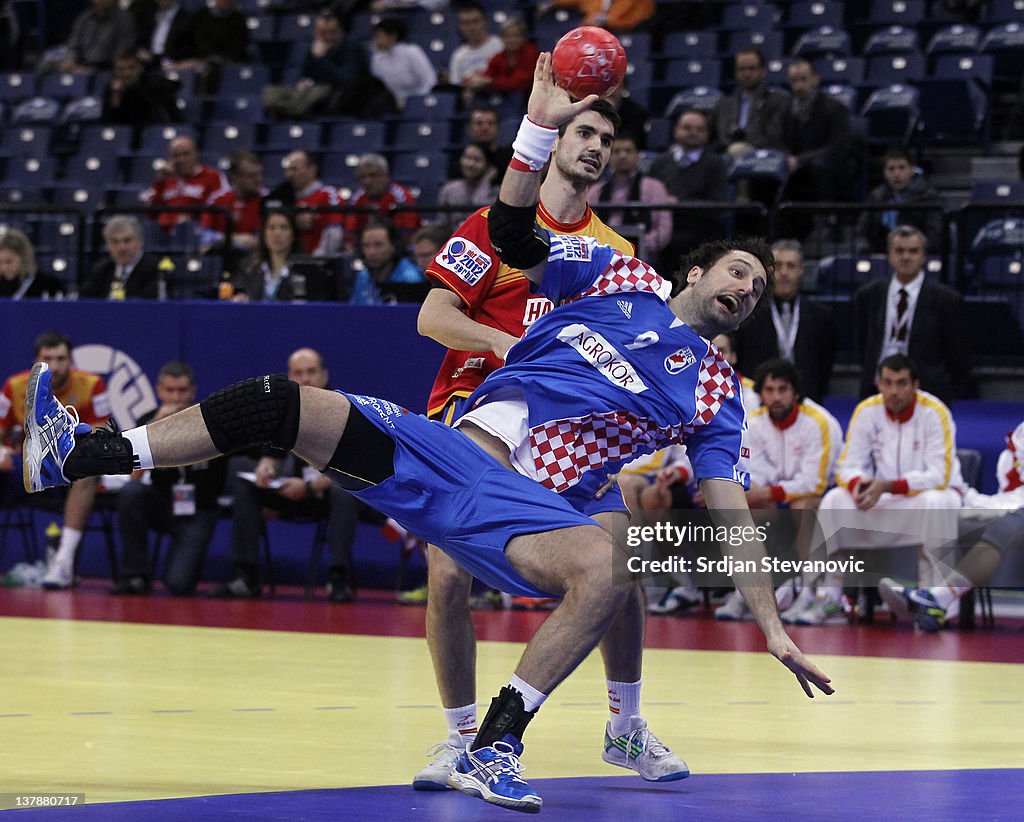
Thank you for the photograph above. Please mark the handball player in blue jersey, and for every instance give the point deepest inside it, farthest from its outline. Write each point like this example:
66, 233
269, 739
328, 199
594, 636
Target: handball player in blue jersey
621, 367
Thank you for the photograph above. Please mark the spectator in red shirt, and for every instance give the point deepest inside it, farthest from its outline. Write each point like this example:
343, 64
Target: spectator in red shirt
510, 71
183, 181
243, 200
321, 231
377, 190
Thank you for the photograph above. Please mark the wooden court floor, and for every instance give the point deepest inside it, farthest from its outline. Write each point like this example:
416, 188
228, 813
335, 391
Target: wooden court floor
161, 708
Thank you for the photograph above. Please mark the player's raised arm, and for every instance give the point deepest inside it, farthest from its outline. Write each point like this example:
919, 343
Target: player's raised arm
515, 235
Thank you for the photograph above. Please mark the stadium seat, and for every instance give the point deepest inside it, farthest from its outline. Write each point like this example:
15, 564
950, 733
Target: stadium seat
955, 39
897, 12
423, 170
954, 101
153, 140
88, 109
658, 134
847, 70
759, 16
356, 136
549, 28
416, 135
1004, 11
997, 191
338, 168
94, 171
696, 44
844, 274
293, 136
893, 69
18, 196
847, 95
763, 164
977, 67
16, 86
261, 28
240, 109
430, 106
808, 14
243, 80
140, 169
892, 40
36, 110
31, 172
25, 141
297, 28
682, 72
702, 98
769, 42
65, 86
825, 41
1006, 44
636, 43
220, 140
891, 114
65, 194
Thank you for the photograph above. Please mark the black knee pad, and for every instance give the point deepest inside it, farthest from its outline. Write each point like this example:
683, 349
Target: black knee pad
259, 411
365, 455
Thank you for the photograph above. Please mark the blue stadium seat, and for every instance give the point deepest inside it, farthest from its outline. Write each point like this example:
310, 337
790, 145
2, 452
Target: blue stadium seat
425, 170
639, 79
890, 69
1006, 43
549, 28
761, 164
769, 42
261, 28
892, 40
65, 194
220, 140
240, 109
847, 95
954, 39
298, 28
891, 114
701, 98
953, 110
777, 73
760, 16
42, 110
696, 44
825, 41
95, 171
847, 70
430, 106
1000, 237
88, 109
140, 169
16, 86
977, 67
64, 86
25, 141
338, 168
186, 79
807, 14
658, 134
636, 43
999, 272
421, 135
243, 80
997, 191
356, 136
1004, 11
153, 140
19, 196
682, 72
897, 12
126, 196
293, 136
846, 273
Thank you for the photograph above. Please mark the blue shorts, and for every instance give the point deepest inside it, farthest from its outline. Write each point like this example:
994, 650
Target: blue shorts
581, 495
450, 492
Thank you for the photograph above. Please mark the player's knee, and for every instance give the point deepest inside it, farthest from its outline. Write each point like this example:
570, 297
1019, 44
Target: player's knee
258, 411
447, 580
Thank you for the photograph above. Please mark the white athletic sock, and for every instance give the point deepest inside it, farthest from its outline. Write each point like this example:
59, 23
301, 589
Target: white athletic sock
462, 725
623, 704
532, 698
69, 541
956, 586
139, 438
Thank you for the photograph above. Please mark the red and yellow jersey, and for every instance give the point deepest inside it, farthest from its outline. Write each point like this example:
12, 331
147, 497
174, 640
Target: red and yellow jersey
495, 295
86, 391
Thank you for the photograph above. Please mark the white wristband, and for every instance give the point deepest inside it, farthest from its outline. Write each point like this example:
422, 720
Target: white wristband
533, 144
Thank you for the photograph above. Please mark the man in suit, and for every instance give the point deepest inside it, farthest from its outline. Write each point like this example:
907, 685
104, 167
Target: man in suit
752, 116
911, 316
128, 273
795, 328
691, 172
817, 136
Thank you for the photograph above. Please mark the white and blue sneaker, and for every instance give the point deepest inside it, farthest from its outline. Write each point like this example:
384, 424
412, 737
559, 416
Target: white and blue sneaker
50, 430
641, 751
434, 776
918, 603
492, 774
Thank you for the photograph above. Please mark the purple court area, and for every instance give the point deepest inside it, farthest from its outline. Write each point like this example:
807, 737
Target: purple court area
907, 795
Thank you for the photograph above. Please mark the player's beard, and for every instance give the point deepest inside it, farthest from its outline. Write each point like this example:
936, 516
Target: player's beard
570, 170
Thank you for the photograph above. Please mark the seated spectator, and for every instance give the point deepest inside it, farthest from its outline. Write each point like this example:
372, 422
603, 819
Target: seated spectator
20, 278
284, 484
614, 15
10, 37
478, 47
181, 502
510, 71
691, 173
163, 31
794, 445
427, 242
652, 230
135, 97
880, 472
752, 116
403, 67
474, 187
265, 276
333, 76
88, 393
817, 135
378, 191
931, 607
218, 35
387, 5
98, 36
384, 264
244, 201
183, 181
632, 115
128, 272
484, 127
906, 190
320, 233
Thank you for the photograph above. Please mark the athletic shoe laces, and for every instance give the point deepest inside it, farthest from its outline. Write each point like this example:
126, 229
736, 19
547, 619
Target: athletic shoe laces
647, 742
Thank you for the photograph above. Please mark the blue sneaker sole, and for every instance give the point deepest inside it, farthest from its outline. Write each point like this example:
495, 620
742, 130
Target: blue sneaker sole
424, 785
474, 789
673, 777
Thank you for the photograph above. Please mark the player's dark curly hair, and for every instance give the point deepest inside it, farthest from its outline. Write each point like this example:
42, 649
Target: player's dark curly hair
709, 253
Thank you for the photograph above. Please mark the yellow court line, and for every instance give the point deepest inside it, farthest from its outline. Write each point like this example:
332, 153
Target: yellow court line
127, 711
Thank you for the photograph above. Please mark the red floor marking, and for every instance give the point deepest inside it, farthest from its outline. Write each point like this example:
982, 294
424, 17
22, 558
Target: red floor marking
375, 613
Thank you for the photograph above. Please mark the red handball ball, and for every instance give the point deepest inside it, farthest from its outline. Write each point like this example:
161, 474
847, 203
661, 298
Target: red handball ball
589, 60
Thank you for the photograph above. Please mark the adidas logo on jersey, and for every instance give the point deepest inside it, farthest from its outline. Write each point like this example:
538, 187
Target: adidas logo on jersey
627, 308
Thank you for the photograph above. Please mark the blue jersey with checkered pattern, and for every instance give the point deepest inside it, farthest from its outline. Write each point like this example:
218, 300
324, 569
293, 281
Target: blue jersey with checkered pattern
612, 373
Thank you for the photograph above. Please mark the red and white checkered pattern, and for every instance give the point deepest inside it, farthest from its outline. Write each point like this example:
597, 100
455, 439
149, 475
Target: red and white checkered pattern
714, 386
564, 450
625, 274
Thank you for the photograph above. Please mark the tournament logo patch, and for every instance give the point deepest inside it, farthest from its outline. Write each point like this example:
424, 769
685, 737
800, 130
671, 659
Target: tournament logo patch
572, 247
676, 362
464, 259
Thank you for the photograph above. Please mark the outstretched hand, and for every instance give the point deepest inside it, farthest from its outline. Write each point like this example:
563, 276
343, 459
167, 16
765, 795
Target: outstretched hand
805, 671
550, 105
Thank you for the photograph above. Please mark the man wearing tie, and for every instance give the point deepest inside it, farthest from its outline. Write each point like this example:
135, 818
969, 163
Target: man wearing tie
128, 273
911, 316
794, 328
